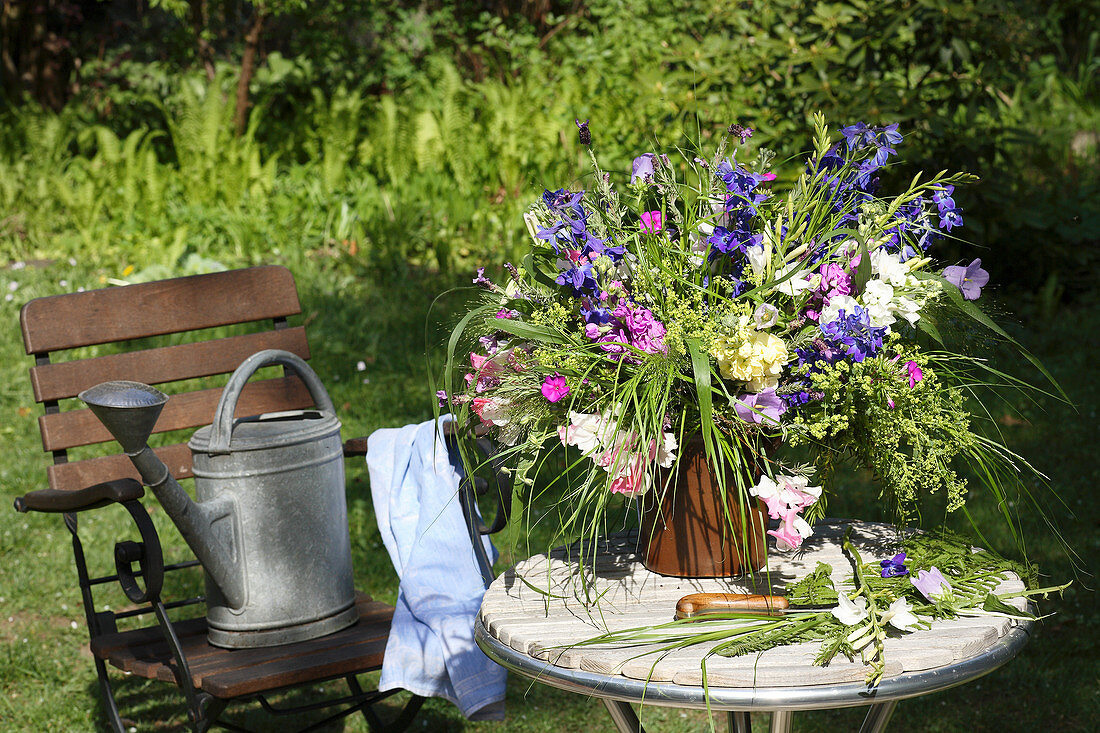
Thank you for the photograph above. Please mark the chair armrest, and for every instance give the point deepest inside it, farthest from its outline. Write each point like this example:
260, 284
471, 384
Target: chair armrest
91, 497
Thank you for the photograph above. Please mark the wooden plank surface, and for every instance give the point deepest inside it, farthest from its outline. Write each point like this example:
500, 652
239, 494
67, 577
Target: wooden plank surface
79, 474
62, 380
228, 673
74, 428
548, 620
167, 306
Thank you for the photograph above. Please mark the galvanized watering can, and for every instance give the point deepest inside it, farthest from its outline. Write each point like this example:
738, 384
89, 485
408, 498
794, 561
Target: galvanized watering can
269, 523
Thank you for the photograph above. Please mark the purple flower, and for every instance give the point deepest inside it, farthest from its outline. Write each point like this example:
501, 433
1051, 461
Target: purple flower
931, 584
481, 279
583, 134
756, 408
441, 395
970, 279
854, 333
915, 373
742, 132
554, 388
895, 566
643, 168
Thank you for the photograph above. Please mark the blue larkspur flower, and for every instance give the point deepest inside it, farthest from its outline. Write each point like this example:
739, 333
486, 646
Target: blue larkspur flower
854, 334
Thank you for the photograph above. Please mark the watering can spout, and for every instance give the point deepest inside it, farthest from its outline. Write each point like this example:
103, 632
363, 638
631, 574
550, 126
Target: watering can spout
129, 411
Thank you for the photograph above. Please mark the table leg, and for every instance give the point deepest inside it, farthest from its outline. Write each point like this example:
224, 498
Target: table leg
877, 717
781, 721
739, 721
624, 717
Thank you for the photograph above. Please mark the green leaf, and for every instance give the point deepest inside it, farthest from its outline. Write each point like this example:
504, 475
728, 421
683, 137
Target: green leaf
700, 367
968, 308
530, 331
996, 605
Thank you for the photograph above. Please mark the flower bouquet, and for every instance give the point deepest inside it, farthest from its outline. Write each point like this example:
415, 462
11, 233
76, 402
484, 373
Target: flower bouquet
693, 305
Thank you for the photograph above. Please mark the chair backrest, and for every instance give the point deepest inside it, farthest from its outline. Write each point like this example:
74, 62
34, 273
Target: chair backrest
127, 314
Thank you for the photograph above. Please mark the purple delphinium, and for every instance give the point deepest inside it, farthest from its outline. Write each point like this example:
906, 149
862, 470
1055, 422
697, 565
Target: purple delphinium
643, 168
744, 133
970, 279
761, 407
854, 334
894, 567
950, 213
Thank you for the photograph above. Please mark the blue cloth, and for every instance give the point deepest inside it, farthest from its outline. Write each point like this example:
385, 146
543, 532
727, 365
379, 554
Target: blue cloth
431, 650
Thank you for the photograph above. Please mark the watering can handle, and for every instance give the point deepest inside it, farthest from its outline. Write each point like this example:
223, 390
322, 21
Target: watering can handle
222, 429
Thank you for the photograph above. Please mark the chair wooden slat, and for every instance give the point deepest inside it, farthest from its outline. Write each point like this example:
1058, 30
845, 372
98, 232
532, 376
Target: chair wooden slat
79, 474
167, 364
228, 673
64, 430
167, 306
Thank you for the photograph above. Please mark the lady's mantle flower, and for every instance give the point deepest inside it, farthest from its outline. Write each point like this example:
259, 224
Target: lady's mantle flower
900, 616
970, 279
931, 584
754, 357
849, 612
554, 388
894, 567
651, 221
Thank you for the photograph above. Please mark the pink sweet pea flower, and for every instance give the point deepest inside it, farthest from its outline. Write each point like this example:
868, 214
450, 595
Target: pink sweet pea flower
554, 388
651, 221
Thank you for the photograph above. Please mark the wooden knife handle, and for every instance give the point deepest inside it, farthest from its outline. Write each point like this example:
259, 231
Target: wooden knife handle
699, 603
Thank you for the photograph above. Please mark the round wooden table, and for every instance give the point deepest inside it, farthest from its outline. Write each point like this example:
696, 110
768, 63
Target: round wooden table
533, 616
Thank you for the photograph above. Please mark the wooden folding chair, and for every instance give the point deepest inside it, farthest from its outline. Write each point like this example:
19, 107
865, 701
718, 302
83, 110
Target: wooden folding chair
177, 651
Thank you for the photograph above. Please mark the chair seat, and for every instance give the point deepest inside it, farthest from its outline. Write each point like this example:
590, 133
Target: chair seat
229, 673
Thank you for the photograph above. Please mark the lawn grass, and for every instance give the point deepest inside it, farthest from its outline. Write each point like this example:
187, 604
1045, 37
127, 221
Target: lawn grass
368, 340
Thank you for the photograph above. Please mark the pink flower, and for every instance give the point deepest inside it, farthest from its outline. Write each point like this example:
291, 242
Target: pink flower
490, 411
554, 388
651, 221
915, 373
835, 281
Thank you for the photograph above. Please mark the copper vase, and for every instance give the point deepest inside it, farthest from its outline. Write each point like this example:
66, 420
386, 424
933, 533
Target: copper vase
687, 531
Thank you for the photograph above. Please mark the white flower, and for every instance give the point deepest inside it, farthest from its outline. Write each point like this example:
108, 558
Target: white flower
766, 315
801, 280
758, 258
837, 304
889, 267
584, 431
666, 451
850, 612
877, 297
900, 615
907, 309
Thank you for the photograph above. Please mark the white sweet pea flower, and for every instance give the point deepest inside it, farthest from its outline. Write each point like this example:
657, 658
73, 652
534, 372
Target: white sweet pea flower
900, 616
850, 612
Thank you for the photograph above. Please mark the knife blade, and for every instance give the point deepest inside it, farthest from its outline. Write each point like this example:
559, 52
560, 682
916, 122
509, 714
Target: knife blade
699, 604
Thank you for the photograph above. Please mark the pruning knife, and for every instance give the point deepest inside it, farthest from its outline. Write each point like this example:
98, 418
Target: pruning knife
700, 604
